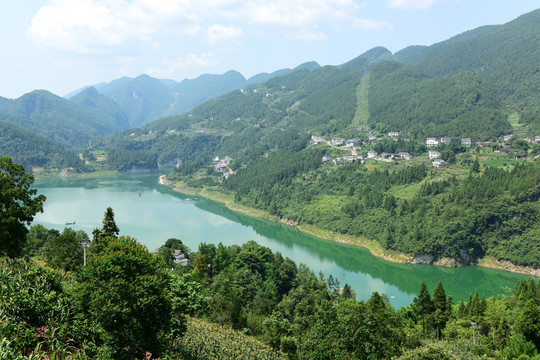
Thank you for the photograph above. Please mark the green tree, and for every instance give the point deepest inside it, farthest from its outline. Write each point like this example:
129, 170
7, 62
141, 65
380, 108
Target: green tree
36, 239
18, 205
124, 290
441, 309
476, 165
64, 251
109, 230
528, 322
422, 305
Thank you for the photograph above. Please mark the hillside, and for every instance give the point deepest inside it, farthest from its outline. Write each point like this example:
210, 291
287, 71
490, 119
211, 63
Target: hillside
70, 123
504, 56
31, 150
144, 99
402, 99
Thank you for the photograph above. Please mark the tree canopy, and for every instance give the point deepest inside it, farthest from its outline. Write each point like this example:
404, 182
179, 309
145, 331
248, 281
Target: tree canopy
18, 205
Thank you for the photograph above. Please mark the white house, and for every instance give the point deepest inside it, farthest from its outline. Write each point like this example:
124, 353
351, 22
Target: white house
179, 258
432, 142
403, 155
446, 140
371, 154
434, 154
326, 158
439, 163
351, 143
337, 141
317, 139
466, 142
394, 134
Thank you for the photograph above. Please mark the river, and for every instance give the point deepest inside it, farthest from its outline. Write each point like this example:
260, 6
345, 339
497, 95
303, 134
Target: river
153, 213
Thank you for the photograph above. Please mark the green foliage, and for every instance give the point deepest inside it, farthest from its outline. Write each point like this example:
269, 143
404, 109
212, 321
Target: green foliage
69, 123
36, 318
123, 290
65, 250
422, 305
528, 322
32, 150
18, 205
458, 105
210, 341
503, 56
428, 352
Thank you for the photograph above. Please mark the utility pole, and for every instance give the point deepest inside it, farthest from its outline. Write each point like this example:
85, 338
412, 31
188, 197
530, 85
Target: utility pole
85, 245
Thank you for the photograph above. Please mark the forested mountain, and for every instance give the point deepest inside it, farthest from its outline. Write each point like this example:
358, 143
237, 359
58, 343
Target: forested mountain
505, 56
145, 99
31, 150
71, 123
403, 99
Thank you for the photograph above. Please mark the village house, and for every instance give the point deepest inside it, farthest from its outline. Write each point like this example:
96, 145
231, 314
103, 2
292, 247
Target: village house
317, 139
446, 140
326, 158
537, 139
439, 163
371, 154
433, 154
432, 142
467, 142
337, 141
221, 166
351, 143
393, 134
387, 156
403, 155
372, 138
179, 258
228, 160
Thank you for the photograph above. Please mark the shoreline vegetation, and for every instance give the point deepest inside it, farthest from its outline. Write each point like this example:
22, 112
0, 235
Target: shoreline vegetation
372, 245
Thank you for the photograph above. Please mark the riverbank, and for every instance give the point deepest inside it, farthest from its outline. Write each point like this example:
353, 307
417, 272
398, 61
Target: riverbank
372, 245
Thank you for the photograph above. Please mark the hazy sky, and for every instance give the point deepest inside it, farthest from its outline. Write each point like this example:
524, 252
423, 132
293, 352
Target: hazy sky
62, 45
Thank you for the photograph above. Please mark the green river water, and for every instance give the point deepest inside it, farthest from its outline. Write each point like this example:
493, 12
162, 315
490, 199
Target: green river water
152, 213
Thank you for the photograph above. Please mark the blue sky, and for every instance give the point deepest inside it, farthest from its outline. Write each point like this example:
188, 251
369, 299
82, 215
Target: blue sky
62, 45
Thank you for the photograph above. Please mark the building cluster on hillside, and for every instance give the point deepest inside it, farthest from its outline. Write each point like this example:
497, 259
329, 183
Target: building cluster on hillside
223, 165
431, 142
434, 142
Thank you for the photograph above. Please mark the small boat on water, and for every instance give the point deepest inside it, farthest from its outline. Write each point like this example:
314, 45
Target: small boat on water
70, 222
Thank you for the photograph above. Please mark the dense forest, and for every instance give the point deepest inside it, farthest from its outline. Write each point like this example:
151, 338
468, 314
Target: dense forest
32, 150
239, 301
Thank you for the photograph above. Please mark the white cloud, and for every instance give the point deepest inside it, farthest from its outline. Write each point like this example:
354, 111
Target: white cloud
411, 4
173, 67
296, 13
218, 33
369, 24
308, 36
105, 26
98, 25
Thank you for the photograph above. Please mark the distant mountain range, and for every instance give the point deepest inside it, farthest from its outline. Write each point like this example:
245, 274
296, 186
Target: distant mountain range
144, 99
